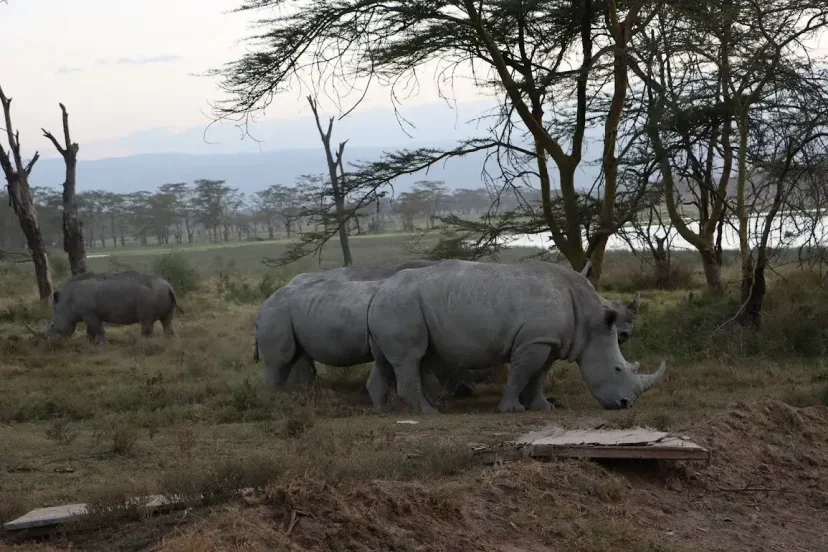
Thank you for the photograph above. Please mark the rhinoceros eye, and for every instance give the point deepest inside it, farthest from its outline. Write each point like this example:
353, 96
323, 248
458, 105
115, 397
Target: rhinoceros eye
619, 369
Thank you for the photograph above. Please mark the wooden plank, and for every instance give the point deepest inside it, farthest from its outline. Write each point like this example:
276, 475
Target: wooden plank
655, 453
43, 517
634, 443
58, 515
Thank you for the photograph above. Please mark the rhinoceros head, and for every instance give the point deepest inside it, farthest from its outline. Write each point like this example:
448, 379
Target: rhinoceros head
64, 320
624, 321
614, 382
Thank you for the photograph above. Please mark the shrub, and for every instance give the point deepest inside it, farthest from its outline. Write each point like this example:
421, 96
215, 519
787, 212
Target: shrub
178, 271
59, 265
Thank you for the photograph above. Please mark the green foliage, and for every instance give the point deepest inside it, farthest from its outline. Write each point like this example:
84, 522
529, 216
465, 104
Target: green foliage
177, 269
701, 325
59, 265
451, 246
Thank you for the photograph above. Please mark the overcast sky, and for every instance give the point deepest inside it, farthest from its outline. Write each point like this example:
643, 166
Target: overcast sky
125, 66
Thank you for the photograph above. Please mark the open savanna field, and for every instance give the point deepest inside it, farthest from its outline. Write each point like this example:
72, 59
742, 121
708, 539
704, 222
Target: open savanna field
189, 416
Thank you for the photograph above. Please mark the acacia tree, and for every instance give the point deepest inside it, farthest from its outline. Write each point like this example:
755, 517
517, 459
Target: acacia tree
788, 156
72, 223
20, 198
520, 50
708, 69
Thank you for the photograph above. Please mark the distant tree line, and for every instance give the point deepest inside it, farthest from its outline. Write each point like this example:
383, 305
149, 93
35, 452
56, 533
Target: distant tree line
212, 211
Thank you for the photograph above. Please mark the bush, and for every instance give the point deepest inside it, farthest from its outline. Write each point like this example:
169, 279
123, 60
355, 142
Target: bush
178, 271
59, 265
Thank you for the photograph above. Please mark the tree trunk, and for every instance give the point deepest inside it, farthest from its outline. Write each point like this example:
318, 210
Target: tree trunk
22, 203
753, 295
287, 228
712, 270
662, 264
72, 223
114, 230
27, 213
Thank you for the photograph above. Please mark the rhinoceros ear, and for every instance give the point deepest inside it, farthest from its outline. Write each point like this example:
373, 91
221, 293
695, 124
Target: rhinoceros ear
610, 315
587, 270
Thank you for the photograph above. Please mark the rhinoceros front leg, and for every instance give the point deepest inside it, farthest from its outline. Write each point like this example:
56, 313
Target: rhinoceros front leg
532, 397
527, 363
95, 332
147, 328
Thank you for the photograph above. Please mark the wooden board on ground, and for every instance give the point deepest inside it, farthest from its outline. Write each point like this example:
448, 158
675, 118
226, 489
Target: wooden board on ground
609, 443
58, 515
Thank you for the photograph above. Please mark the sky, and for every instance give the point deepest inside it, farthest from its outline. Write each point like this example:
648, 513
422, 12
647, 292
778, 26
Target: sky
127, 72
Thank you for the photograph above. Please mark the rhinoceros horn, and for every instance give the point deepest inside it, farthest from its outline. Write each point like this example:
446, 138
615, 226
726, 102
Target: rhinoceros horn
37, 333
648, 381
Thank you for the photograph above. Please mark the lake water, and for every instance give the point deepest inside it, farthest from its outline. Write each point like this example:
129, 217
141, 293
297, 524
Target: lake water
787, 232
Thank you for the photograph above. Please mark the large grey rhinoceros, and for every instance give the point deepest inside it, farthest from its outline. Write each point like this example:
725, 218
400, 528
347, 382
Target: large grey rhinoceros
460, 382
128, 297
478, 315
318, 317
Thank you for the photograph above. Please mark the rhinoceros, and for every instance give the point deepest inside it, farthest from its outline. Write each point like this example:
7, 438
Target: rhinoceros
479, 315
460, 382
318, 317
124, 298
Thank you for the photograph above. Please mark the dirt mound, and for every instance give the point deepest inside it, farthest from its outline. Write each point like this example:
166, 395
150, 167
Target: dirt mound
767, 444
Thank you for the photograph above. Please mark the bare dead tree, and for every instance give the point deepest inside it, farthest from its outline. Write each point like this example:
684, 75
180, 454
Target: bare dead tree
336, 172
73, 243
22, 203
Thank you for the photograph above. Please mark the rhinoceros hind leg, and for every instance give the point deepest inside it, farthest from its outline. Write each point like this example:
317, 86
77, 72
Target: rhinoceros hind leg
410, 386
167, 324
301, 372
379, 383
527, 362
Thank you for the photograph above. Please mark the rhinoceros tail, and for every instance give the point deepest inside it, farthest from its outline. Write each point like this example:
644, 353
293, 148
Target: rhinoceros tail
175, 301
256, 351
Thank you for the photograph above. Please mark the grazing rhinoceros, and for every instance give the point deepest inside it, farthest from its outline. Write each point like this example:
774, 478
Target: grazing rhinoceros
318, 317
128, 297
460, 382
479, 315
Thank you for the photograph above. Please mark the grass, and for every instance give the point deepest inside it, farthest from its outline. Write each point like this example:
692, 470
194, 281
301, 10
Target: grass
188, 415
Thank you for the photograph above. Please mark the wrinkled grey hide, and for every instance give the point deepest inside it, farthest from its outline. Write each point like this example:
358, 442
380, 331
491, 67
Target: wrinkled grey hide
124, 298
318, 317
481, 314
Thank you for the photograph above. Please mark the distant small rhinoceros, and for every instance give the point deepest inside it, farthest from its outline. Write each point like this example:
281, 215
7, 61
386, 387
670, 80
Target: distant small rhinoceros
123, 298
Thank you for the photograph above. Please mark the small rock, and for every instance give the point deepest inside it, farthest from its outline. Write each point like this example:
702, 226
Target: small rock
408, 422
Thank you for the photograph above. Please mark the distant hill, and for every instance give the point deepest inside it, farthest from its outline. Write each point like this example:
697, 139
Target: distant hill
247, 171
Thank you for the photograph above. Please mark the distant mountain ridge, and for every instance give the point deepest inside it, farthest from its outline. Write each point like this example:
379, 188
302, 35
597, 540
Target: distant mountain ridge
149, 158
249, 172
